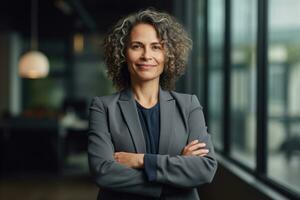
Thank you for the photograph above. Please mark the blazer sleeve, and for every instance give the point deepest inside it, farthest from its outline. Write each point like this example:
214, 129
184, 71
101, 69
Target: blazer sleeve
189, 171
105, 170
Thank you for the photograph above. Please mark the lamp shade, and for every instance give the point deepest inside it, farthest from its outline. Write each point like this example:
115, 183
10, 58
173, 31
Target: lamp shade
33, 64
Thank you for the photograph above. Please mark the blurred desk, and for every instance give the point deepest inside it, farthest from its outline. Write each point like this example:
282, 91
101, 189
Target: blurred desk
31, 146
75, 144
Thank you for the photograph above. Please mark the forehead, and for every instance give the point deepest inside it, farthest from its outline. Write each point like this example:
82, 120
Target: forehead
144, 32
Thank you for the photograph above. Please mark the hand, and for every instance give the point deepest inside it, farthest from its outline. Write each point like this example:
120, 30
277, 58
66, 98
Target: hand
195, 148
133, 160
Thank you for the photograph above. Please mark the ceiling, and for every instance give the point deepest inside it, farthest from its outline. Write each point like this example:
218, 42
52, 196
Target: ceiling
60, 18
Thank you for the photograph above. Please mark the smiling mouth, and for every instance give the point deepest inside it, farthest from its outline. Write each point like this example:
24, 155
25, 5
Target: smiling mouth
145, 65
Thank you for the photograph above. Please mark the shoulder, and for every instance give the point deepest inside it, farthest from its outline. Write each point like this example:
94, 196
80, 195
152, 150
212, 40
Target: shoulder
181, 96
105, 100
186, 100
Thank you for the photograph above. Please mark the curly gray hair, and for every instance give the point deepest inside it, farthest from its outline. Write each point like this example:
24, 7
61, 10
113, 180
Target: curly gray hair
177, 45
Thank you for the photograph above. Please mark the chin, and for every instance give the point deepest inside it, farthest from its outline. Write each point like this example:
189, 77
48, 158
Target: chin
147, 76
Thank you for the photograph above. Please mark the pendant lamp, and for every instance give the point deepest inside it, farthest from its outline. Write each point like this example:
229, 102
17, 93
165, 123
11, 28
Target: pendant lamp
34, 64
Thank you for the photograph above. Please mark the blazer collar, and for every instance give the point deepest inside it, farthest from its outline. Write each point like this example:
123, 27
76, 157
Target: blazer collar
126, 95
129, 111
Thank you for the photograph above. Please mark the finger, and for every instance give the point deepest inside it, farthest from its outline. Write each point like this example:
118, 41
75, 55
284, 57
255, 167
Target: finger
199, 152
191, 143
197, 146
117, 158
117, 155
202, 155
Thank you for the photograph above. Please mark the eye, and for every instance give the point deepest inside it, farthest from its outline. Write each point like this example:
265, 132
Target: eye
157, 47
136, 46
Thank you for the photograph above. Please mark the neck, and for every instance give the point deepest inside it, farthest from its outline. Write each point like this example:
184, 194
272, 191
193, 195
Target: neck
146, 94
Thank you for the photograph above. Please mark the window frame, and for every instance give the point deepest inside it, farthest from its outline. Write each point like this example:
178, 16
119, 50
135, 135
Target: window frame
260, 171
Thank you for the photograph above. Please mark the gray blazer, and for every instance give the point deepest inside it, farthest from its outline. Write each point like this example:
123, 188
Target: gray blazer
114, 126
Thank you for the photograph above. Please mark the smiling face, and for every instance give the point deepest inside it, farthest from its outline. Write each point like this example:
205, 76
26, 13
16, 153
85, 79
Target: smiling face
144, 54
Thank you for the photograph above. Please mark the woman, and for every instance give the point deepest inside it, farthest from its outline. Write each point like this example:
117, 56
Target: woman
147, 141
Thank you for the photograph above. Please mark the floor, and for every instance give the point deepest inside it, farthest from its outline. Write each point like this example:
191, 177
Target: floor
48, 188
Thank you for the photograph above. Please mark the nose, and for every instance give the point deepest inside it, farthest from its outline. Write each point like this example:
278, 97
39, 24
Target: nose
147, 53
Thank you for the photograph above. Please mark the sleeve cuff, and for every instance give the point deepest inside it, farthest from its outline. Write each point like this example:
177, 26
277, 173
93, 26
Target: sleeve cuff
150, 165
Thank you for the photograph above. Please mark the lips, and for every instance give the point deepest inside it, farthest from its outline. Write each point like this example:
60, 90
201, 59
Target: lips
145, 65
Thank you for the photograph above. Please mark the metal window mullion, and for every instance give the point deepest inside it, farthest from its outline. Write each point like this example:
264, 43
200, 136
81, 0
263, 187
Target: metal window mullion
195, 87
188, 12
227, 78
206, 59
262, 87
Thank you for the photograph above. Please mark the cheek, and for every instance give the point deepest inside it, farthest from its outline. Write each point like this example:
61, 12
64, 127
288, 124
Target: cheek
160, 57
129, 56
162, 60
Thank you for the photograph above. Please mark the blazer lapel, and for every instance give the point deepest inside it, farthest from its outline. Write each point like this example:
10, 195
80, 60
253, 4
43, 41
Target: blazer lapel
167, 107
129, 111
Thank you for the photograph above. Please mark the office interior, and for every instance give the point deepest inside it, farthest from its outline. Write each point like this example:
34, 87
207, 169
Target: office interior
244, 68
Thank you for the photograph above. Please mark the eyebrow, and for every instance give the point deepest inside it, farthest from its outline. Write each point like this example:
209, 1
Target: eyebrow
138, 42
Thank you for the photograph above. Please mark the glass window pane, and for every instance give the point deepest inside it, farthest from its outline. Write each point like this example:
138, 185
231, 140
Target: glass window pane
243, 81
283, 92
215, 90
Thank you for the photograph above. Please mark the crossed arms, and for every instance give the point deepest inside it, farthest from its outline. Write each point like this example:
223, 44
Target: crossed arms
123, 172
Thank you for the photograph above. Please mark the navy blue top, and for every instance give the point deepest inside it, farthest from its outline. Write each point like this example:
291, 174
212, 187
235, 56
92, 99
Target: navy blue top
150, 122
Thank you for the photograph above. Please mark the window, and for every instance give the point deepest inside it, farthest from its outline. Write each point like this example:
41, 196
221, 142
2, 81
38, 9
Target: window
243, 81
283, 96
277, 133
215, 71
